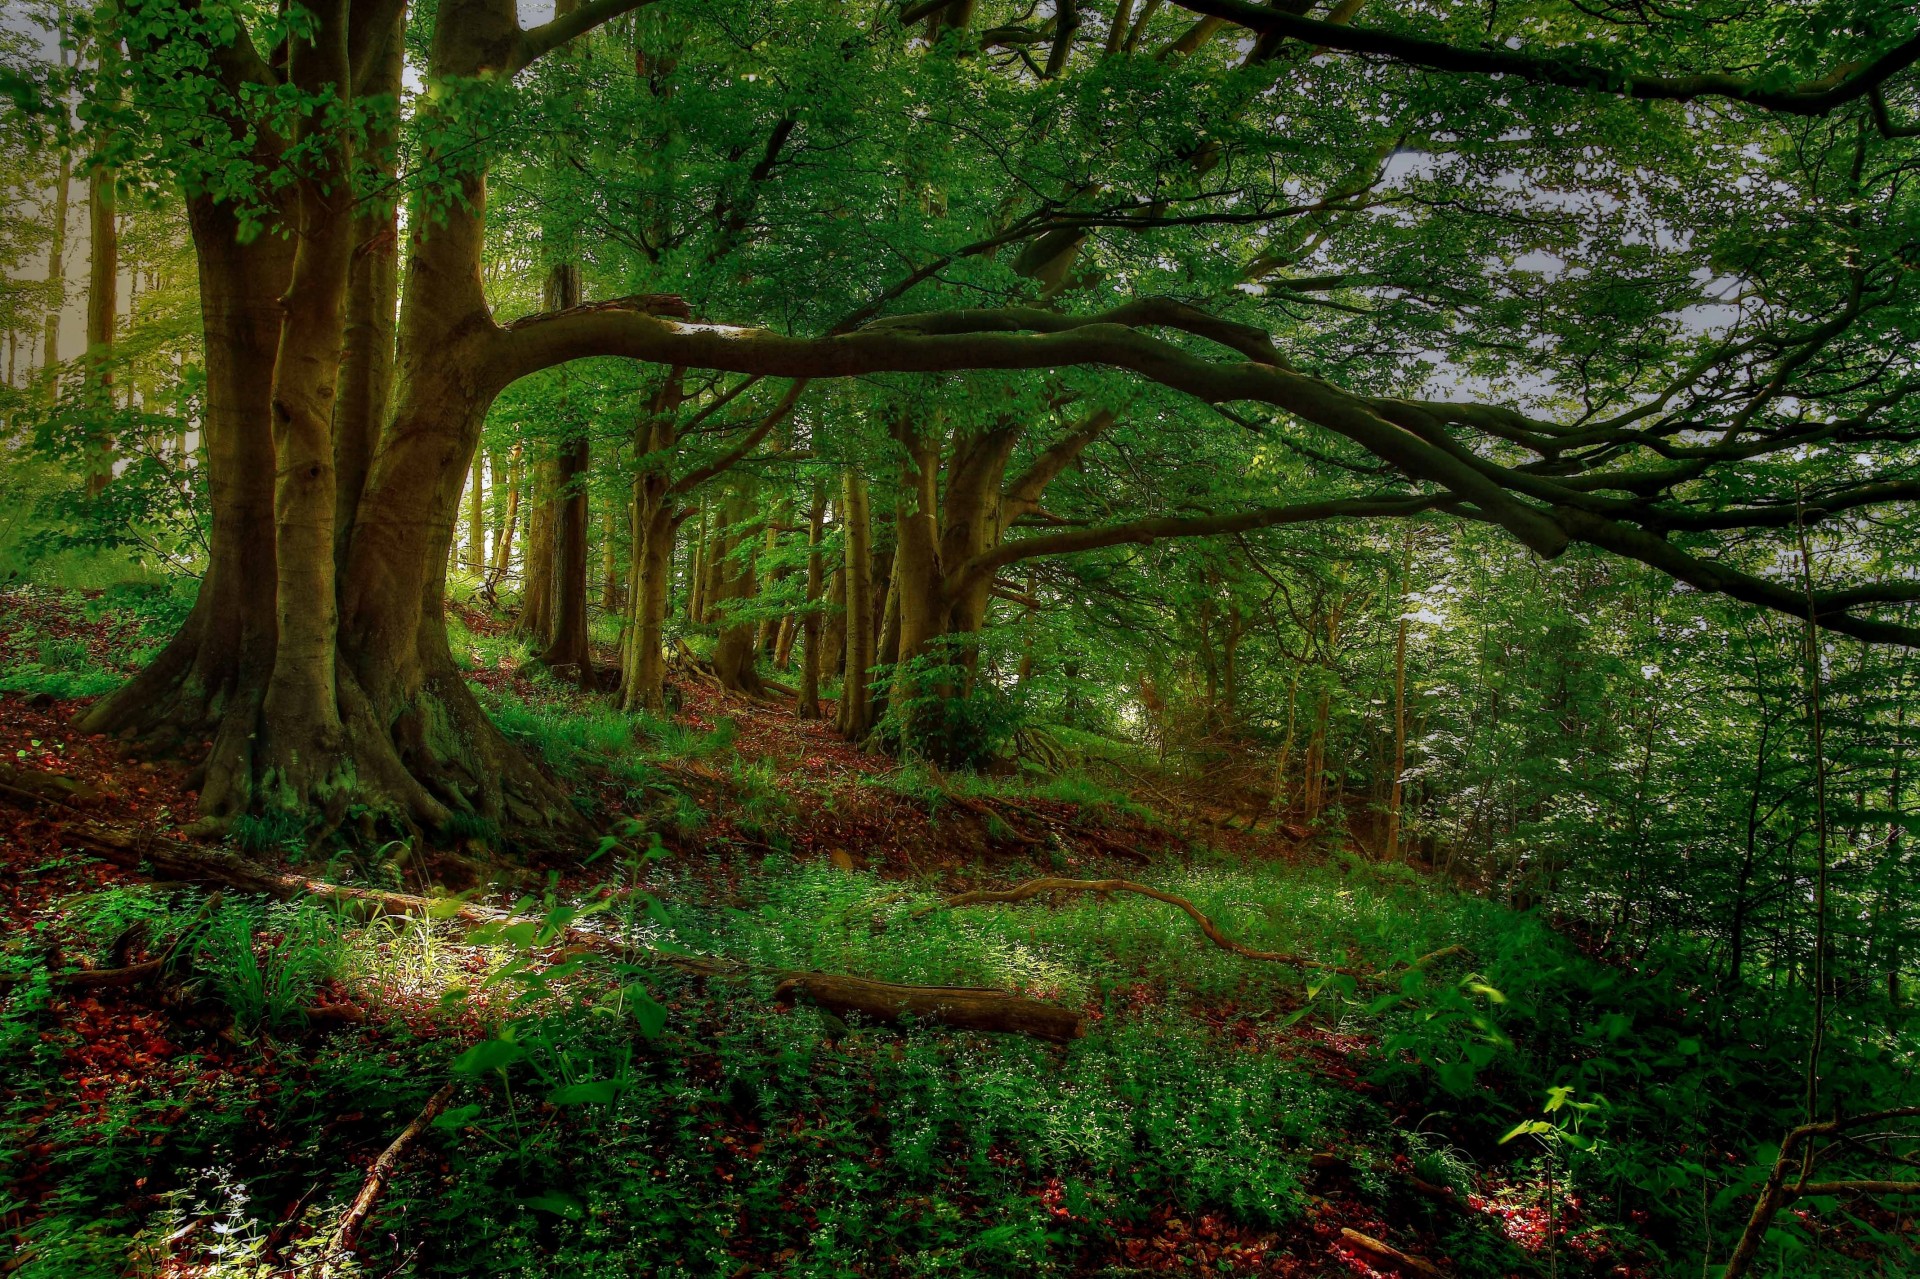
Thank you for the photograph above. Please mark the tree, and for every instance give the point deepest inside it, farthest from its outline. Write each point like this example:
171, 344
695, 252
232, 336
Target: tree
1678, 448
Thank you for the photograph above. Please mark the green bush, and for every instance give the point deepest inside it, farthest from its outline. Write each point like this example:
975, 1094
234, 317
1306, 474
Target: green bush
942, 710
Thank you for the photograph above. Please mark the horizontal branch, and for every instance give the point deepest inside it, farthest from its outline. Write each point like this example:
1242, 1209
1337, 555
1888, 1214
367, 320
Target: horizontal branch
1812, 98
1544, 515
1147, 531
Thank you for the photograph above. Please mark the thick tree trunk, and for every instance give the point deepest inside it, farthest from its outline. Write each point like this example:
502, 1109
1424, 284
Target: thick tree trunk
207, 684
316, 659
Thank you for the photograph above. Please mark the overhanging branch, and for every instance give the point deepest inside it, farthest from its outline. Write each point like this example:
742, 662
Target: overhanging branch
1812, 98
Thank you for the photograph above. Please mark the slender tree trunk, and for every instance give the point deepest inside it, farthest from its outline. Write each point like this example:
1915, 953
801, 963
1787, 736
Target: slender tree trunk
713, 563
103, 302
808, 704
536, 579
56, 276
1392, 842
833, 643
567, 649
609, 562
696, 568
856, 707
655, 525
509, 520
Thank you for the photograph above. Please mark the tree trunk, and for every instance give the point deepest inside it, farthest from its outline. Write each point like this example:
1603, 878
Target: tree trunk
609, 563
477, 514
697, 570
103, 301
536, 579
316, 656
808, 703
735, 652
1391, 845
208, 682
856, 707
833, 642
567, 652
655, 527
56, 275
509, 520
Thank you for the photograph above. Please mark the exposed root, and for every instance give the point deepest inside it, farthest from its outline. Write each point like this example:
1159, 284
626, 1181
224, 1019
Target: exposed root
1039, 887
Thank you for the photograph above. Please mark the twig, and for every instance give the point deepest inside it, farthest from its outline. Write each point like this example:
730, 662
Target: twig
354, 1219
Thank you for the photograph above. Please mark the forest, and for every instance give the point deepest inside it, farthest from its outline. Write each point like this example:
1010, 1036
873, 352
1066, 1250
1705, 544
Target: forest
836, 638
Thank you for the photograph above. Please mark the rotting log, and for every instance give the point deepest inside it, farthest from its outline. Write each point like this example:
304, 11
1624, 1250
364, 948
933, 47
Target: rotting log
1378, 1251
960, 1008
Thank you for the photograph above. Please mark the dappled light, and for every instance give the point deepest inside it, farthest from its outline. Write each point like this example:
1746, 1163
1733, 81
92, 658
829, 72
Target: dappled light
837, 638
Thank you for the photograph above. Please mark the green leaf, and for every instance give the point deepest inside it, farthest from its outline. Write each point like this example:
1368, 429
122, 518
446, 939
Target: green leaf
458, 1117
597, 1092
557, 1202
648, 1013
492, 1054
1531, 1128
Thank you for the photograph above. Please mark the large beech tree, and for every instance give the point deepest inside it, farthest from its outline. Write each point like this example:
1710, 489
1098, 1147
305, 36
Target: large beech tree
343, 412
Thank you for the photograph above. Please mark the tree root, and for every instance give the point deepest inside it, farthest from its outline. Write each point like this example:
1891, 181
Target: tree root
960, 1008
1038, 887
354, 1219
995, 809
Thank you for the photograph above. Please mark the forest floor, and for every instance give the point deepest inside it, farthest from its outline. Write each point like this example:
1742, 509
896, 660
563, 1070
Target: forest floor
1223, 1113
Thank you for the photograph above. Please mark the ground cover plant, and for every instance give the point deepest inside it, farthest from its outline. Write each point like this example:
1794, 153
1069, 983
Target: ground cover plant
972, 637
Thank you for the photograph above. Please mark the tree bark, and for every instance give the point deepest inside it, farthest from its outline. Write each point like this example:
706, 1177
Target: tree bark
477, 513
807, 704
735, 651
103, 302
56, 274
856, 707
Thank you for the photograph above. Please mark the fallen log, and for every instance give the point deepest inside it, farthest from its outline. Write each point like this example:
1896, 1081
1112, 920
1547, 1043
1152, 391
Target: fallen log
1005, 1012
962, 1007
1386, 1252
